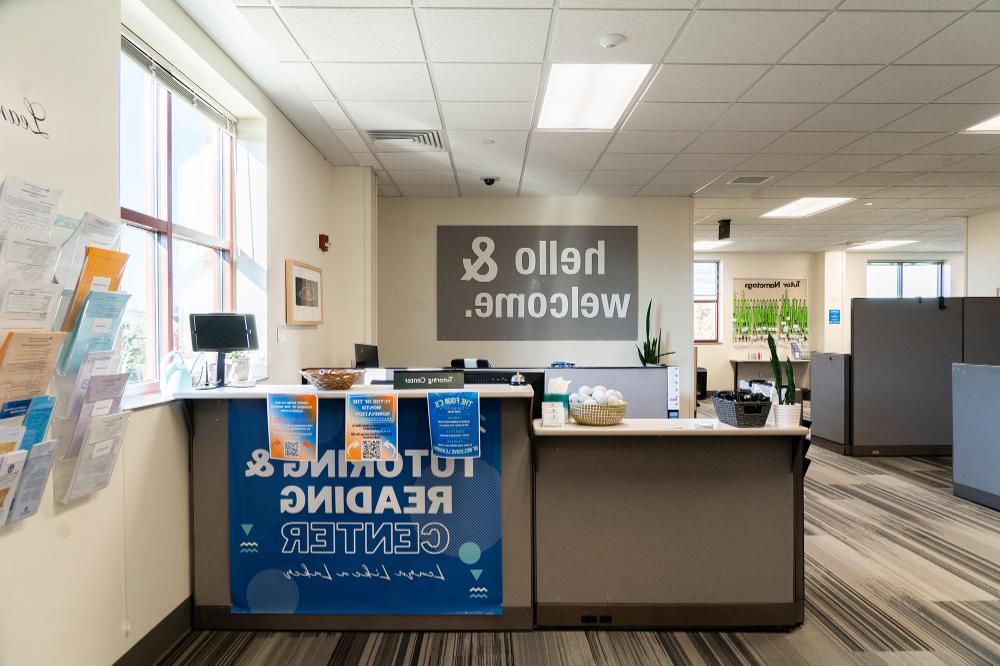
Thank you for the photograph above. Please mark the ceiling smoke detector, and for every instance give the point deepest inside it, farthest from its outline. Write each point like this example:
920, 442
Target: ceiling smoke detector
749, 180
610, 41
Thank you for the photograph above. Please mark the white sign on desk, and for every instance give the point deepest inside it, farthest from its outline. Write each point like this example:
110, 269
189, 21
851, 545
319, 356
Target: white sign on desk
553, 414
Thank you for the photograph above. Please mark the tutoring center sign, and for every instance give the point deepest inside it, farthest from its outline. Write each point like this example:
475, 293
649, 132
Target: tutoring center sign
406, 535
537, 283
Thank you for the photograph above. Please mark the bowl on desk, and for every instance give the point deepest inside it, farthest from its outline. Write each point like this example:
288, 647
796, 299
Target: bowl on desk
332, 379
597, 415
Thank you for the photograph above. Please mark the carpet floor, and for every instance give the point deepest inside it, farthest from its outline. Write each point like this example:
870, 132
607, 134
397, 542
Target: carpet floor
898, 571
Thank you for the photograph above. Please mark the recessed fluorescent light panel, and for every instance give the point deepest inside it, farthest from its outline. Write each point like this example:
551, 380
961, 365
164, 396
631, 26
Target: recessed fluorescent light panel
808, 206
989, 126
705, 246
881, 245
583, 97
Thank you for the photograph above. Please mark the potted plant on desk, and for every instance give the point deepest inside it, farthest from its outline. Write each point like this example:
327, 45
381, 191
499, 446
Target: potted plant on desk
787, 414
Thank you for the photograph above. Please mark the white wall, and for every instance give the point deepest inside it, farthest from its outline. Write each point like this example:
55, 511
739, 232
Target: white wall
983, 253
407, 278
715, 357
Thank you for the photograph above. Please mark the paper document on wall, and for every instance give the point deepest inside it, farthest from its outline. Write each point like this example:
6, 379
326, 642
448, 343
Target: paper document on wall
28, 258
102, 271
94, 363
96, 462
11, 465
93, 231
104, 397
11, 430
27, 359
96, 328
29, 305
34, 478
36, 421
27, 207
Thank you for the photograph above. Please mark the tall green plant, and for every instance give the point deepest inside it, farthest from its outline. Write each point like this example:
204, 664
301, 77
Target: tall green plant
650, 353
786, 391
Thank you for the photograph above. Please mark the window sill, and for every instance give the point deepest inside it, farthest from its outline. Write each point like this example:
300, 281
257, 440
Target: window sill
144, 401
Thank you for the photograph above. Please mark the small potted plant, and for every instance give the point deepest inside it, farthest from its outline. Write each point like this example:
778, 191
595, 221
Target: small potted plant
650, 353
787, 414
240, 365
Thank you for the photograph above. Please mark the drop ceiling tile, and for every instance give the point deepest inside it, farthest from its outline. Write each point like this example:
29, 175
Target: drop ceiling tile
721, 36
731, 142
867, 37
386, 189
530, 190
984, 163
769, 4
403, 178
351, 140
608, 191
985, 179
918, 163
944, 118
480, 189
967, 192
897, 5
875, 179
628, 4
485, 35
367, 159
685, 179
487, 115
963, 144
814, 178
561, 161
272, 32
633, 162
708, 162
909, 83
702, 83
555, 141
940, 179
648, 34
673, 116
808, 83
777, 162
620, 177
477, 82
812, 142
425, 161
901, 192
394, 115
305, 77
650, 142
758, 117
356, 35
478, 165
858, 117
974, 38
985, 90
726, 191
407, 82
538, 179
844, 163
890, 143
341, 3
475, 141
432, 191
478, 4
333, 115
655, 191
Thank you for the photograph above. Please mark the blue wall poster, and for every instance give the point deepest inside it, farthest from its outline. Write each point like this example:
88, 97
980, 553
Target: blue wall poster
834, 317
417, 535
454, 423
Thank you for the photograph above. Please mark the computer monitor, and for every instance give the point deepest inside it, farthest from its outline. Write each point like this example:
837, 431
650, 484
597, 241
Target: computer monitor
365, 356
222, 332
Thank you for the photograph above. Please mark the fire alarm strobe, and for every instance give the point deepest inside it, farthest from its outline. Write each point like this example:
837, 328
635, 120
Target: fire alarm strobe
324, 242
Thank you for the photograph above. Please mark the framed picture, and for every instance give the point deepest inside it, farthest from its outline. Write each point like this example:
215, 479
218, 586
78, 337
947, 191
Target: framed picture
303, 294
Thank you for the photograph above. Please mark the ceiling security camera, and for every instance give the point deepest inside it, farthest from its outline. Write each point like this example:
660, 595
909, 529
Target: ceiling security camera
490, 180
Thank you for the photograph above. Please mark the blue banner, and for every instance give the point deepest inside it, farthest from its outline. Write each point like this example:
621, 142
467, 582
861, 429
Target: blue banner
414, 535
454, 421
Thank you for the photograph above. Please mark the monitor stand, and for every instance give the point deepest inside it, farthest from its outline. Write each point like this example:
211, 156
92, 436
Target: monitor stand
220, 374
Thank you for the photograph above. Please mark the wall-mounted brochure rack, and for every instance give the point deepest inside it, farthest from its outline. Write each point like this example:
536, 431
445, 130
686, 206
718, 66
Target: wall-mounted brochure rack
60, 312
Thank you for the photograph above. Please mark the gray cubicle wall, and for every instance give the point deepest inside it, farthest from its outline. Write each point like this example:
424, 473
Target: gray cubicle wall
645, 389
976, 451
982, 324
830, 406
902, 352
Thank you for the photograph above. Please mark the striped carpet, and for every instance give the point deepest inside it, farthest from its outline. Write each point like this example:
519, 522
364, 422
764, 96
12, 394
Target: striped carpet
898, 571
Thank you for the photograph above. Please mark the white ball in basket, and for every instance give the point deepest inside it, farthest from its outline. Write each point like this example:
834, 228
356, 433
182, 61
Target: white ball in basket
585, 390
575, 398
615, 400
605, 399
598, 395
602, 389
616, 394
589, 401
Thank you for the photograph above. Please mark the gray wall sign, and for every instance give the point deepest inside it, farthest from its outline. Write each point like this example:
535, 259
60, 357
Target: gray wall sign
537, 283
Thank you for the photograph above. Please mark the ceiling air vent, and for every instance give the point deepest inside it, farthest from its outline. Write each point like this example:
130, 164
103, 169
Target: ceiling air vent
749, 180
407, 139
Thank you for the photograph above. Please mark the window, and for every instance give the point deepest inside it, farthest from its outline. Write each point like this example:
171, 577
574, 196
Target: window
706, 301
178, 166
906, 279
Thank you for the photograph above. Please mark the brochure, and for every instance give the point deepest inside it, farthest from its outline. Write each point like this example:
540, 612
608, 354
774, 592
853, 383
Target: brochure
371, 427
454, 423
27, 359
34, 478
102, 272
27, 207
104, 397
10, 472
98, 455
96, 328
293, 426
29, 305
36, 421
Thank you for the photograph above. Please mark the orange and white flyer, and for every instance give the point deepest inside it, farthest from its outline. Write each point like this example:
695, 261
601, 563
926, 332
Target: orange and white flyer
293, 426
371, 427
102, 271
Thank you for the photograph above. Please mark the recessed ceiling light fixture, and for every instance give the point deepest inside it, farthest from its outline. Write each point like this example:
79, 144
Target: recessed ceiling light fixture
706, 245
988, 126
881, 245
808, 206
589, 97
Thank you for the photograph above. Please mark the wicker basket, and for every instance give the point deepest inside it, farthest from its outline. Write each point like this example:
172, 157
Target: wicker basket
741, 414
330, 379
597, 415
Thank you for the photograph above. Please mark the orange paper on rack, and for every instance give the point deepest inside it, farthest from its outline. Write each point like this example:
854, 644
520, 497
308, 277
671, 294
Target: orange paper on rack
102, 271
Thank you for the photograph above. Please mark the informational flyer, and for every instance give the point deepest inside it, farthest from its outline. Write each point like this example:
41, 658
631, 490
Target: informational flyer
10, 473
36, 421
454, 423
96, 462
371, 427
293, 426
34, 477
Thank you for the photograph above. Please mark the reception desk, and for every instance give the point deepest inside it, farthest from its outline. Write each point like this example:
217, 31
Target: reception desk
653, 522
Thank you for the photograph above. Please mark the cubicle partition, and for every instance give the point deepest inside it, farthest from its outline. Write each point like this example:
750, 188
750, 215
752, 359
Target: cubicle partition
976, 456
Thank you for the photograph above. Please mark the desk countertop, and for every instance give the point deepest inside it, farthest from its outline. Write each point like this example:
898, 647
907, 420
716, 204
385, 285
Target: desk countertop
262, 390
664, 428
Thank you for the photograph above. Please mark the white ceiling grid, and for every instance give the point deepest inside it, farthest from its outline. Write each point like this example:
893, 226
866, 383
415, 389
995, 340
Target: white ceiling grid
859, 98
